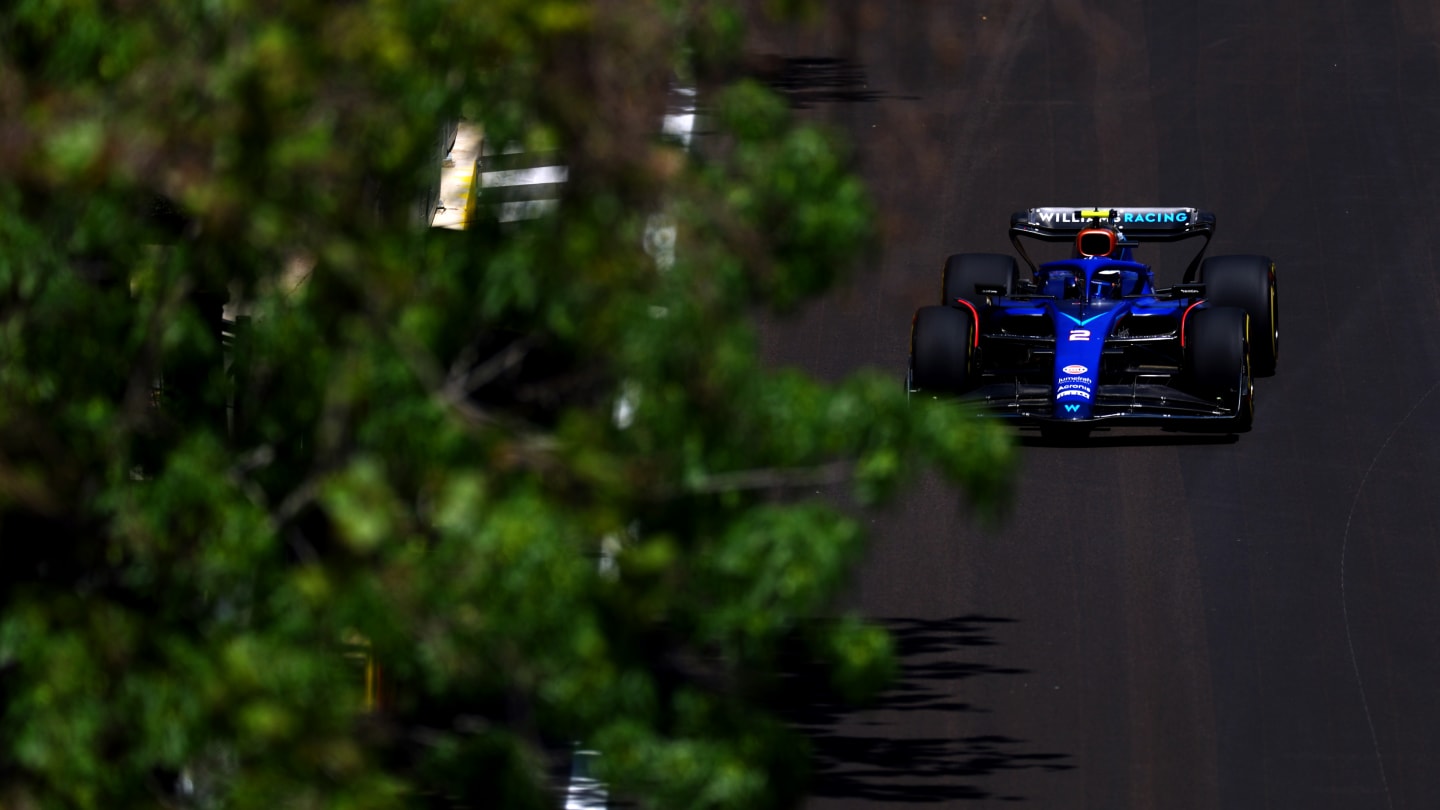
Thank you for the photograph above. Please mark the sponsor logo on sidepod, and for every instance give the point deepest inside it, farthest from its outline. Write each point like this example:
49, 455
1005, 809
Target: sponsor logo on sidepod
1075, 370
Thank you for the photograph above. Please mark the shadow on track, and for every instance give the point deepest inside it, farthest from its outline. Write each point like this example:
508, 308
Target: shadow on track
810, 80
857, 756
1121, 439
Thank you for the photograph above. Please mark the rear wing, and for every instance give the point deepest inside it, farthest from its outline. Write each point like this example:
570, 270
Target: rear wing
1131, 225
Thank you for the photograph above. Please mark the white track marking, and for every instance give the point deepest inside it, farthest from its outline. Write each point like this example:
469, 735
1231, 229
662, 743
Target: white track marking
1344, 607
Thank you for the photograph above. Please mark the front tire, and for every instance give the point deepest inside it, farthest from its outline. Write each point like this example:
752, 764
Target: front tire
1248, 282
942, 350
1217, 352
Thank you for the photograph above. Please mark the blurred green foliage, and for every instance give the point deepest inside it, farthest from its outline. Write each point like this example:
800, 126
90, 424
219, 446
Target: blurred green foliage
547, 485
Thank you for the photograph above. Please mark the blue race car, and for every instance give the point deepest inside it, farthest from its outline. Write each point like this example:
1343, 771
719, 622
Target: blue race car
1089, 340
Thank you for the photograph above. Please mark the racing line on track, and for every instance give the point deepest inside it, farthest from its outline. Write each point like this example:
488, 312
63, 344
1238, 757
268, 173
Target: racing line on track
1344, 608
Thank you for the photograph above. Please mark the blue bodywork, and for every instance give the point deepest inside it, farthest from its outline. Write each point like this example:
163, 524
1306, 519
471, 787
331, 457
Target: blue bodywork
1090, 339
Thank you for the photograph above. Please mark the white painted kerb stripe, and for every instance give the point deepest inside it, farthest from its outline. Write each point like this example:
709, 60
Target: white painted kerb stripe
525, 177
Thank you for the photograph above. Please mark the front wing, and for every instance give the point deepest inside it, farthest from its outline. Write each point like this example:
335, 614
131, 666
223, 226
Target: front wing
1141, 395
1139, 404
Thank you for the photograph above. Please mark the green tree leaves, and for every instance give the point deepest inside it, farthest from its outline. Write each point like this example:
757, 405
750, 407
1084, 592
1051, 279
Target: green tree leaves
304, 504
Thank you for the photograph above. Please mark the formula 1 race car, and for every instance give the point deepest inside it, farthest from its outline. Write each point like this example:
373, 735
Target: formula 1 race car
1089, 340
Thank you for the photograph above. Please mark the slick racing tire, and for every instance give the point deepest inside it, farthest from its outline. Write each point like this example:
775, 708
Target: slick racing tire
1217, 354
941, 349
1248, 282
964, 270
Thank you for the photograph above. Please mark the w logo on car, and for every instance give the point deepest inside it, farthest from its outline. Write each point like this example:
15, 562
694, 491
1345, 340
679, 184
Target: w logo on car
1072, 407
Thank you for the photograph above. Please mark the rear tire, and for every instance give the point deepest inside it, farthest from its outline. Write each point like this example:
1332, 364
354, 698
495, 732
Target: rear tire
1217, 355
941, 350
1248, 282
964, 270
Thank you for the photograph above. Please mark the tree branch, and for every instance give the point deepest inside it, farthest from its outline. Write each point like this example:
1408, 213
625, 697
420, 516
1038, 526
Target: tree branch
466, 377
836, 472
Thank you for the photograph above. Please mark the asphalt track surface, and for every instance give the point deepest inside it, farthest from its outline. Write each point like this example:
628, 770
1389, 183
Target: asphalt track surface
1161, 622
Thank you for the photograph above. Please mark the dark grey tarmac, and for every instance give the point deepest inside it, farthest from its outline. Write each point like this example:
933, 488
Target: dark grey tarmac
1161, 622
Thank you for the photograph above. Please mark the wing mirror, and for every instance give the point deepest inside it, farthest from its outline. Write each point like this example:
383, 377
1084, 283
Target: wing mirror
1182, 291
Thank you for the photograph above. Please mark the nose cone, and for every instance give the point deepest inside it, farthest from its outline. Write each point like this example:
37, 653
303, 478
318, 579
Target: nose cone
1079, 344
1074, 391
